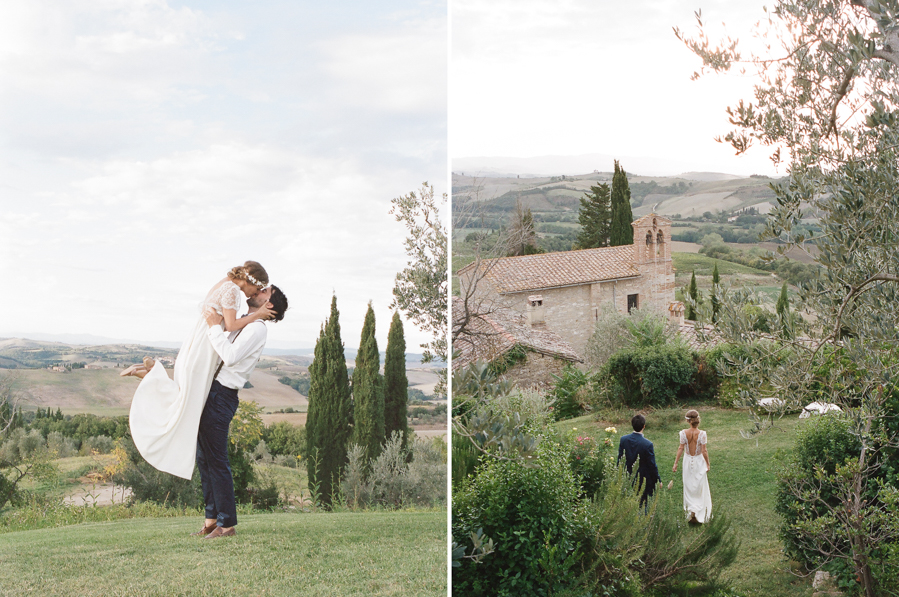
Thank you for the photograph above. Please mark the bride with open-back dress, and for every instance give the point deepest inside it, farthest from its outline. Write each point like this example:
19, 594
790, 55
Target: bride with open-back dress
693, 445
165, 413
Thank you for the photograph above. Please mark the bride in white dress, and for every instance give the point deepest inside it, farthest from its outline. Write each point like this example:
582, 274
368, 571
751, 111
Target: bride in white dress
697, 498
165, 413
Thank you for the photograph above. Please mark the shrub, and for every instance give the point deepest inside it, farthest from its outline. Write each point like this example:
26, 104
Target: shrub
465, 458
534, 409
285, 438
242, 471
261, 454
264, 494
62, 446
392, 480
567, 397
589, 458
531, 513
99, 444
676, 552
20, 444
150, 485
824, 442
629, 550
649, 376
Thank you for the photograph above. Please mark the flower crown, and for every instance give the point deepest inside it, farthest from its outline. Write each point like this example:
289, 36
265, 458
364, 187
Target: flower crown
253, 280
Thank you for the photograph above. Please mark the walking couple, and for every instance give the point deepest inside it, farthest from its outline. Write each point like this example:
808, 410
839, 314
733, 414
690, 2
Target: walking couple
178, 422
692, 443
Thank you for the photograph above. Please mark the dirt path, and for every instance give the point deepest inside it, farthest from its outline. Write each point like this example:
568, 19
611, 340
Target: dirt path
102, 494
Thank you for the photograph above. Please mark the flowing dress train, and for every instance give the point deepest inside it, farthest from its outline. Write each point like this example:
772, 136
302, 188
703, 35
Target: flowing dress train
697, 498
165, 413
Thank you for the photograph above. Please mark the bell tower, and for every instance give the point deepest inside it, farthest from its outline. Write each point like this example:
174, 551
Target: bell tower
652, 258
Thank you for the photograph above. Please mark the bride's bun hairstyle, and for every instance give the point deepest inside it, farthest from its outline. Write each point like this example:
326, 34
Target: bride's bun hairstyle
250, 272
692, 417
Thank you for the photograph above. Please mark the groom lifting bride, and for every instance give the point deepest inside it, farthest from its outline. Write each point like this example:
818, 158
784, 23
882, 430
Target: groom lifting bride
177, 423
240, 352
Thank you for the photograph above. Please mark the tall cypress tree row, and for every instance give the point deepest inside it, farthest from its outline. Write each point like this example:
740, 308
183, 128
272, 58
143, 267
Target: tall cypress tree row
396, 385
368, 391
621, 233
595, 218
329, 416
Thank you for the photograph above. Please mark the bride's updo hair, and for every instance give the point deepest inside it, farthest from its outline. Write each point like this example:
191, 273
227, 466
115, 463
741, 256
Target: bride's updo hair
250, 272
692, 417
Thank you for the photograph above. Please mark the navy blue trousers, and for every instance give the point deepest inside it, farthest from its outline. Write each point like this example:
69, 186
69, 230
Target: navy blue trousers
212, 455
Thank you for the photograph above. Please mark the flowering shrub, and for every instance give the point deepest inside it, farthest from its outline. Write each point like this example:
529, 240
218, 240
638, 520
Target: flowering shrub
590, 458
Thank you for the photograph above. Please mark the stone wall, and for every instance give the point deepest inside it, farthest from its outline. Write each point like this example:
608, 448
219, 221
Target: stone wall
536, 371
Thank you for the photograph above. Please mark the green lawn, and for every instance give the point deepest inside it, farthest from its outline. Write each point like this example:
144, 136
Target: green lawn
742, 485
336, 554
703, 265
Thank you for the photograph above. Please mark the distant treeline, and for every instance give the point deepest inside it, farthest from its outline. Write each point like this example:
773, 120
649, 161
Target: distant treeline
77, 427
299, 383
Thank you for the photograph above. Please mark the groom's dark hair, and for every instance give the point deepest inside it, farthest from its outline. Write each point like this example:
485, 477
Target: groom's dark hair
279, 303
638, 422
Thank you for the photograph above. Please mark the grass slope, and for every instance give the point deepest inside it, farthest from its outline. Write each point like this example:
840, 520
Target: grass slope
703, 265
742, 484
372, 553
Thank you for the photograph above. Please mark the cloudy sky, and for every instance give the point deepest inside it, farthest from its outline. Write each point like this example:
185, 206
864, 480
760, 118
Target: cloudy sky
572, 77
147, 146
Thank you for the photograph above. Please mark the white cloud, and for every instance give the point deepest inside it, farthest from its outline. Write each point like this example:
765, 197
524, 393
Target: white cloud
398, 71
147, 148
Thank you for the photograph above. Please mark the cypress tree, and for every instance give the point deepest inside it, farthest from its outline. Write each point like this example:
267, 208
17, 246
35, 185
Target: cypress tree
783, 302
783, 307
621, 232
716, 279
396, 385
595, 218
368, 392
694, 294
329, 416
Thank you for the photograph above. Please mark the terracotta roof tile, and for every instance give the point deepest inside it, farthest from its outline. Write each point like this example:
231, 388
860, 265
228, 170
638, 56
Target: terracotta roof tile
499, 331
551, 270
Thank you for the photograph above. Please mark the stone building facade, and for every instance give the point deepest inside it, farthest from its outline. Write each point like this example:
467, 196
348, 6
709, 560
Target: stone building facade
565, 291
528, 355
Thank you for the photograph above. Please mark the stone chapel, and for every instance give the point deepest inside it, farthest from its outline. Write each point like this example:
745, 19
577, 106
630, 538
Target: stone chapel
564, 292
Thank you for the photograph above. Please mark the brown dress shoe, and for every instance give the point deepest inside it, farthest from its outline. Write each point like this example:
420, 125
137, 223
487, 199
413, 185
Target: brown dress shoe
219, 532
204, 531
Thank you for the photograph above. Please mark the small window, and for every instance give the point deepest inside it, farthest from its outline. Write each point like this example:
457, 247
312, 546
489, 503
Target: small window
648, 238
632, 302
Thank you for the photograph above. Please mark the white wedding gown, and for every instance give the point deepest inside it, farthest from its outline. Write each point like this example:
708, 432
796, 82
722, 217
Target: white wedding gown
697, 498
165, 413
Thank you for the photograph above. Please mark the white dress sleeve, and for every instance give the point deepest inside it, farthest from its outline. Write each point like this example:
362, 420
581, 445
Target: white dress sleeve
703, 438
683, 436
230, 296
224, 296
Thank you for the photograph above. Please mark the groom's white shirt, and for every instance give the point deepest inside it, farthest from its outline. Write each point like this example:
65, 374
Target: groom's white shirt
239, 352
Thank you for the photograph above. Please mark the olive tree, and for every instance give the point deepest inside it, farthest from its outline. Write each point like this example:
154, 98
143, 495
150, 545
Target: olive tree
825, 104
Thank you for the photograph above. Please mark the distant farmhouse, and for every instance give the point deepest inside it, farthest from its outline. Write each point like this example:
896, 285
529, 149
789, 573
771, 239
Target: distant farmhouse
563, 293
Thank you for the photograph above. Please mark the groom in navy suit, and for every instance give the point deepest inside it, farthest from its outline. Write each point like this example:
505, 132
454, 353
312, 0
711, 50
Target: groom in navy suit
637, 448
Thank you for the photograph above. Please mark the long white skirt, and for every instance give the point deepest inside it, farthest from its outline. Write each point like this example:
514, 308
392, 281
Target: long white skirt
697, 498
165, 413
